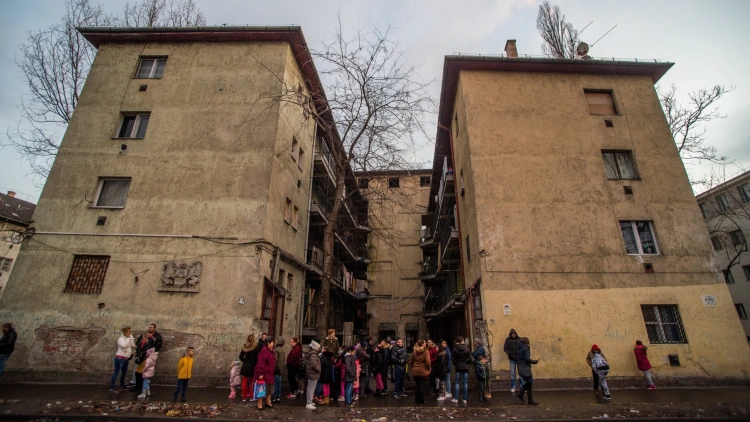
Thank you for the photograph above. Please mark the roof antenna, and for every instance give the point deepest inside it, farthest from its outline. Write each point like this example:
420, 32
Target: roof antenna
582, 49
605, 34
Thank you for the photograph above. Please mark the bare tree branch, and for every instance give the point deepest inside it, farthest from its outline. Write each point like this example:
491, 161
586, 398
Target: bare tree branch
560, 38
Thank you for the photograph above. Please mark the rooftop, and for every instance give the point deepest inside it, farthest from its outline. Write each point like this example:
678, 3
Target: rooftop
15, 210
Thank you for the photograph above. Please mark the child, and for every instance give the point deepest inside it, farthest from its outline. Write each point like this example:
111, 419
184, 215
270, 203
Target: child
148, 371
326, 375
356, 383
601, 368
641, 357
341, 371
235, 380
184, 373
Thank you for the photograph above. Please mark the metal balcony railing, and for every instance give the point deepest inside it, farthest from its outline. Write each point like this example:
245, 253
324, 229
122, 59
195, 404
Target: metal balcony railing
323, 153
439, 296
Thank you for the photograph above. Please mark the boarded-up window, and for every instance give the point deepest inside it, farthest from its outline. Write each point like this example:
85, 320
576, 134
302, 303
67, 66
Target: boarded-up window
87, 274
600, 102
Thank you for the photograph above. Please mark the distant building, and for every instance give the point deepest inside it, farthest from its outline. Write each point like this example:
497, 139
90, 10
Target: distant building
726, 210
560, 207
15, 217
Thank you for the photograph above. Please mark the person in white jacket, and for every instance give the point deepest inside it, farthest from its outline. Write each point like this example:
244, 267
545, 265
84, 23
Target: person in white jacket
125, 351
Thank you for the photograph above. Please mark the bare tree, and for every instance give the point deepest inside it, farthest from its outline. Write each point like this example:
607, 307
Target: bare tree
727, 213
560, 38
376, 113
686, 122
55, 62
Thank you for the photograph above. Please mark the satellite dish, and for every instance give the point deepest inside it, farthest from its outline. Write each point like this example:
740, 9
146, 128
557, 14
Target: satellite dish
582, 49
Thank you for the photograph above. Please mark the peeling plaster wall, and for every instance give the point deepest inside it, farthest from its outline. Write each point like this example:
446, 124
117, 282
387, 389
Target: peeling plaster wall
548, 219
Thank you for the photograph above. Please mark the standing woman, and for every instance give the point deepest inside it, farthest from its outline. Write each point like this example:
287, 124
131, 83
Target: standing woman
524, 370
419, 361
293, 362
641, 357
438, 371
125, 351
264, 370
461, 355
249, 358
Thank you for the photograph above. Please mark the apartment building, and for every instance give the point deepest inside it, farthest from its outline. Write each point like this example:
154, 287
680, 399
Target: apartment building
560, 207
726, 211
396, 202
15, 217
183, 195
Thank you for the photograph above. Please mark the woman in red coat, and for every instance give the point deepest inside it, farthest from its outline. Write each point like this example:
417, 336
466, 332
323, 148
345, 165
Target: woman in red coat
644, 365
264, 370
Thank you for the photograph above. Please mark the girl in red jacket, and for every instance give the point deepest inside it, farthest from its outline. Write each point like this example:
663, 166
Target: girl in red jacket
644, 365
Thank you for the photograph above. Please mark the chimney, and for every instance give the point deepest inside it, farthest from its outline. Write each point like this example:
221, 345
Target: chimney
11, 194
510, 49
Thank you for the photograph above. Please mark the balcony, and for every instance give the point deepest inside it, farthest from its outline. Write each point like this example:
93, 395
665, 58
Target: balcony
449, 247
324, 163
429, 269
446, 191
444, 298
425, 238
315, 257
320, 206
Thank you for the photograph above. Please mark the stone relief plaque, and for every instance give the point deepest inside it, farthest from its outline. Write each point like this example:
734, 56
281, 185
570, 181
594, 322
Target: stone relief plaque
181, 277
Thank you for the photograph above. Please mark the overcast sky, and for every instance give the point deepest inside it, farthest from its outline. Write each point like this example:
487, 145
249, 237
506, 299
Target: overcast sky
703, 39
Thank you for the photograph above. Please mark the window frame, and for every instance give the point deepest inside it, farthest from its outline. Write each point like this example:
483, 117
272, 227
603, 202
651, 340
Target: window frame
295, 148
716, 244
136, 125
728, 276
288, 211
97, 285
154, 66
295, 217
631, 157
738, 238
392, 185
722, 202
705, 210
638, 237
741, 312
425, 181
299, 158
661, 336
601, 91
746, 270
6, 264
100, 187
744, 191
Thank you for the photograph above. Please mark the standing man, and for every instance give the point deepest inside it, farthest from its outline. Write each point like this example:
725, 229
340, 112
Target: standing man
448, 369
149, 339
398, 358
511, 349
433, 351
7, 344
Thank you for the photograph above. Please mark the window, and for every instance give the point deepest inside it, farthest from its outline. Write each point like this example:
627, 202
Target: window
411, 339
5, 264
723, 202
704, 210
738, 239
112, 192
393, 182
600, 102
273, 309
424, 181
289, 281
295, 148
364, 183
716, 241
740, 310
299, 159
663, 324
728, 277
288, 211
746, 270
295, 218
744, 193
133, 126
282, 276
87, 274
639, 238
619, 165
152, 68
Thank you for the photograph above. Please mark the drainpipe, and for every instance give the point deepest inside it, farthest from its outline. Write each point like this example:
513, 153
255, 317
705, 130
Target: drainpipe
307, 231
470, 323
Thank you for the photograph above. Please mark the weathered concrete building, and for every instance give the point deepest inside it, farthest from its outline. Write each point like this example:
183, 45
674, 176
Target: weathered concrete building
181, 195
397, 200
15, 218
560, 207
726, 210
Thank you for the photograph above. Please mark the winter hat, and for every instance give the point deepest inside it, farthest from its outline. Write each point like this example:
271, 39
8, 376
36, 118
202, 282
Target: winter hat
150, 351
595, 348
314, 345
525, 340
477, 342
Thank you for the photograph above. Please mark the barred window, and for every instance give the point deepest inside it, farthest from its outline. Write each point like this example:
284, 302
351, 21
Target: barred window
87, 274
663, 324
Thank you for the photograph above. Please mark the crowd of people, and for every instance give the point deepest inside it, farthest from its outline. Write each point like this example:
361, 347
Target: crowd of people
328, 371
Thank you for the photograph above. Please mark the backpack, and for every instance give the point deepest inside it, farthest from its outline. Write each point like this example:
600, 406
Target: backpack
599, 363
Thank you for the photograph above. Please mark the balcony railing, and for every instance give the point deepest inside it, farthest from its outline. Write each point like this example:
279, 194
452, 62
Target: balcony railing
315, 256
448, 236
323, 153
440, 298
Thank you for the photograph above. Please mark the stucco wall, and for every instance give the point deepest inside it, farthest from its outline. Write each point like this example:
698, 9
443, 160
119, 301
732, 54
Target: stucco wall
548, 218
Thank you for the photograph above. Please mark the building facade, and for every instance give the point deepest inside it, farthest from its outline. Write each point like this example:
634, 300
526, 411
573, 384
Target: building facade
180, 196
726, 211
15, 218
560, 207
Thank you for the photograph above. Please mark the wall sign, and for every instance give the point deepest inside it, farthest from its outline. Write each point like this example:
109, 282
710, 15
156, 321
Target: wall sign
709, 300
506, 308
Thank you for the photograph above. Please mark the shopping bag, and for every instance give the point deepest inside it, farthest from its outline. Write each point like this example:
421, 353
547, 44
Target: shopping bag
260, 389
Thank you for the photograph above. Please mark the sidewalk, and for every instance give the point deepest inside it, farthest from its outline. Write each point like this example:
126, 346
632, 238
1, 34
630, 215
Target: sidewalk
95, 400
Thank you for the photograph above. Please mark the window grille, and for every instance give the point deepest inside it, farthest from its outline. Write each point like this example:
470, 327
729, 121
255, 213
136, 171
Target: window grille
87, 274
663, 324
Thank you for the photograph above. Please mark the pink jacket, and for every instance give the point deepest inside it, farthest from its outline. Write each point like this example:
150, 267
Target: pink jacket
235, 380
148, 369
641, 358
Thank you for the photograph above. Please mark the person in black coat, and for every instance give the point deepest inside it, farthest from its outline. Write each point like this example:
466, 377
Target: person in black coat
7, 344
461, 356
379, 370
249, 358
524, 369
439, 370
326, 374
511, 349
